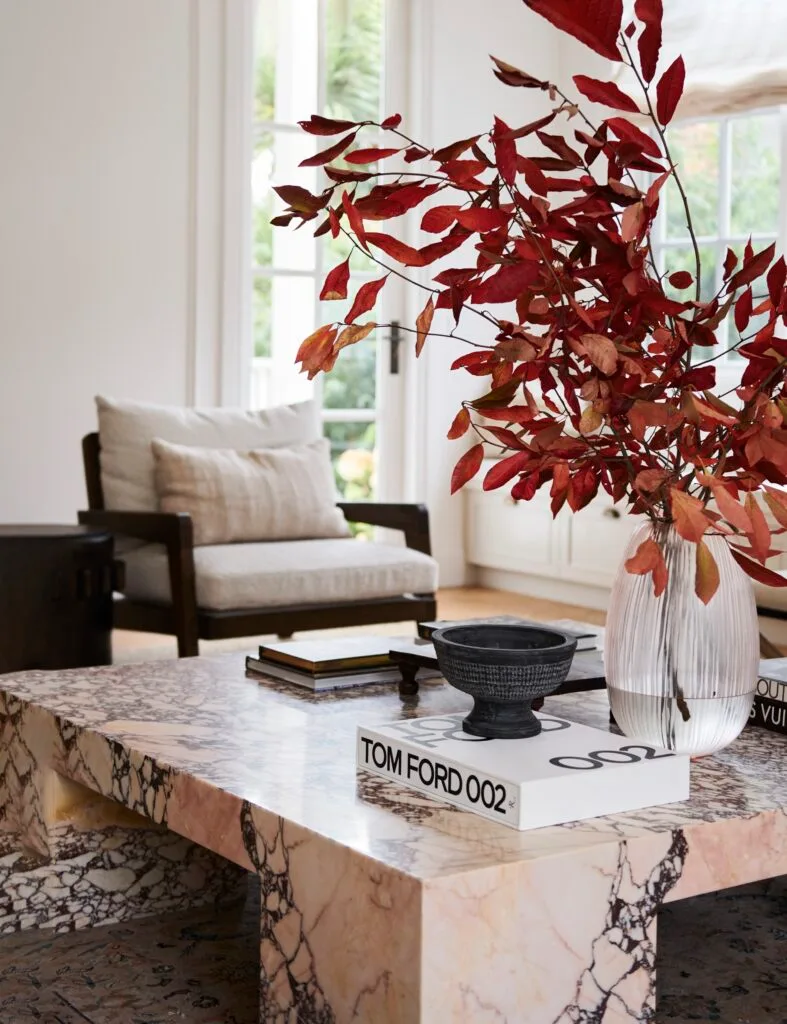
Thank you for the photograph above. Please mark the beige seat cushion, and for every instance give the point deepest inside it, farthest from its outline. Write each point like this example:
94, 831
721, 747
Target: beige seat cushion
277, 573
126, 430
261, 494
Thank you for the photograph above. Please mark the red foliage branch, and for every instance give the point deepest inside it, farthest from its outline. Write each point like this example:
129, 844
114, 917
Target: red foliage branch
601, 373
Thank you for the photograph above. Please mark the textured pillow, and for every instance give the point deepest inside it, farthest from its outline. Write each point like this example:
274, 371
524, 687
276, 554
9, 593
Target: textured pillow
262, 494
126, 430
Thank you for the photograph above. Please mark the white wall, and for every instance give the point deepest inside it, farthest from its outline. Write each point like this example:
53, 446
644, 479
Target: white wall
460, 96
98, 276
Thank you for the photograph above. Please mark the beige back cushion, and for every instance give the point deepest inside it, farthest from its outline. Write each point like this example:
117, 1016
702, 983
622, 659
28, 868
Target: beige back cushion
262, 494
126, 430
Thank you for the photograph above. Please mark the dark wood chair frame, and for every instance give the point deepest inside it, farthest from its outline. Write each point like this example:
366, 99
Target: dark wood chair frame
189, 623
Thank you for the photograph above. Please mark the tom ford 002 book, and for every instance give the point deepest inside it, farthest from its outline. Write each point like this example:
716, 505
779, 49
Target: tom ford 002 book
567, 773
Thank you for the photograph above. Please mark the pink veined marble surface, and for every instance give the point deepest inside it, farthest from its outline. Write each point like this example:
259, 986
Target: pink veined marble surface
379, 903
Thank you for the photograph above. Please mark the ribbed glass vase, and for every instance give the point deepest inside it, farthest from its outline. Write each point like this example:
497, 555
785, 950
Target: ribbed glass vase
681, 674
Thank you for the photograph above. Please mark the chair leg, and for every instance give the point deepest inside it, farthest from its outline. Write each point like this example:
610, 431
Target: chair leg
182, 582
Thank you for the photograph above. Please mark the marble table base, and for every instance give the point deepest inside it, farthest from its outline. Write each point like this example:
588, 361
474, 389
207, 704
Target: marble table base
376, 904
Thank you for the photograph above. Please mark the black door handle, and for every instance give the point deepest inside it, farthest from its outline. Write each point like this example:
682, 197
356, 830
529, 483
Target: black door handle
395, 340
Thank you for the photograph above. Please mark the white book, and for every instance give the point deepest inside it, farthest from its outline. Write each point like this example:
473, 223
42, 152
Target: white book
568, 772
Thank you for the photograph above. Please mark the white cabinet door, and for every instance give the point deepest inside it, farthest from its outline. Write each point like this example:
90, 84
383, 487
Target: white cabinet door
598, 537
515, 536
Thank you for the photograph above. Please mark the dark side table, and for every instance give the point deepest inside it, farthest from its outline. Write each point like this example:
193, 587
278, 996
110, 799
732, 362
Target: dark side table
56, 586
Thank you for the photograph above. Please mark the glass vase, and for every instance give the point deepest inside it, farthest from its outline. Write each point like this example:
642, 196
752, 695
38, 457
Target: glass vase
681, 674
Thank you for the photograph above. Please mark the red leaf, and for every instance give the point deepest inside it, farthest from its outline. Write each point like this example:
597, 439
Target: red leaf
507, 283
355, 220
743, 309
318, 125
513, 76
775, 279
505, 470
752, 268
628, 132
467, 467
460, 425
680, 279
649, 43
601, 352
688, 514
760, 535
756, 571
505, 151
344, 176
328, 154
369, 156
605, 92
439, 218
730, 262
455, 149
423, 322
649, 480
316, 350
335, 286
729, 507
632, 222
534, 176
777, 503
392, 122
648, 558
596, 23
669, 90
706, 579
365, 298
462, 172
397, 250
482, 218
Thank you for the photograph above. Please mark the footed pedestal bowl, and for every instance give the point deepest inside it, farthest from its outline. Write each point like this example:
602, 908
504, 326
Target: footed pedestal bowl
504, 668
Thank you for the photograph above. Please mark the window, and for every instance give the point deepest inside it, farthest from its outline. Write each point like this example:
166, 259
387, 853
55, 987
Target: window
731, 170
311, 56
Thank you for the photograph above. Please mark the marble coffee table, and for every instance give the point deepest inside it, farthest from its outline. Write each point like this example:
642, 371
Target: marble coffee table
128, 790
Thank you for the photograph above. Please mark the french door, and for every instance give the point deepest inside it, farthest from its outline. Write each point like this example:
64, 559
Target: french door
330, 57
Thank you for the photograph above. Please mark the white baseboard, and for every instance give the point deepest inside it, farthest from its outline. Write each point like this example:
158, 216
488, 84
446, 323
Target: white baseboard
548, 589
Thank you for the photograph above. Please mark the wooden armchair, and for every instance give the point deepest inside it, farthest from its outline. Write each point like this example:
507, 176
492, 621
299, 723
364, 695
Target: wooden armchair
183, 617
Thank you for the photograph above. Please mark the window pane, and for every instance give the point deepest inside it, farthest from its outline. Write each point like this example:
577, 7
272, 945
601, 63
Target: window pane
292, 318
354, 59
285, 60
680, 258
695, 150
353, 457
265, 61
352, 383
261, 310
755, 174
275, 162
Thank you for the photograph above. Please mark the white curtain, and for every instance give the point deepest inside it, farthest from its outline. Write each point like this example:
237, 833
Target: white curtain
735, 53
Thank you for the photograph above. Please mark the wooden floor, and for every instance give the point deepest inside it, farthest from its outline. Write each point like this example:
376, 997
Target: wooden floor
454, 603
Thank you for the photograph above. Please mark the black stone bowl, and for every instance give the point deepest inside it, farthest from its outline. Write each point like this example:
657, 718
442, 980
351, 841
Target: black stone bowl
504, 668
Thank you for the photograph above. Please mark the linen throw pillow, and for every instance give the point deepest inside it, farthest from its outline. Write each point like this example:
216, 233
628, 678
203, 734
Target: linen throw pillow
127, 428
255, 495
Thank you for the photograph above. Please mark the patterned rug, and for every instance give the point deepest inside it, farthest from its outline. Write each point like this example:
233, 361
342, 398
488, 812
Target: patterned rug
721, 958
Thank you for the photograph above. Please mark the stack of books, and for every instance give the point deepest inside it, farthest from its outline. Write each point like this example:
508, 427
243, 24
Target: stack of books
769, 709
329, 664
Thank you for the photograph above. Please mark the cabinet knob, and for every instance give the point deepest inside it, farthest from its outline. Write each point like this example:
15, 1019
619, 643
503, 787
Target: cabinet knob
612, 513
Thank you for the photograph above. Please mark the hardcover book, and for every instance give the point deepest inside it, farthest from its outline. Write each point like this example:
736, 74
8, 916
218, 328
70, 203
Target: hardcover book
331, 680
335, 654
769, 708
567, 773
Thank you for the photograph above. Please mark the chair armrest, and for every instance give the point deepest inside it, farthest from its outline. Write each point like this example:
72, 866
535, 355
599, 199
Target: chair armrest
170, 528
412, 520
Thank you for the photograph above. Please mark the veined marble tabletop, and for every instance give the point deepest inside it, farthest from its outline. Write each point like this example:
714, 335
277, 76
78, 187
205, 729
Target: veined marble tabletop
378, 904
